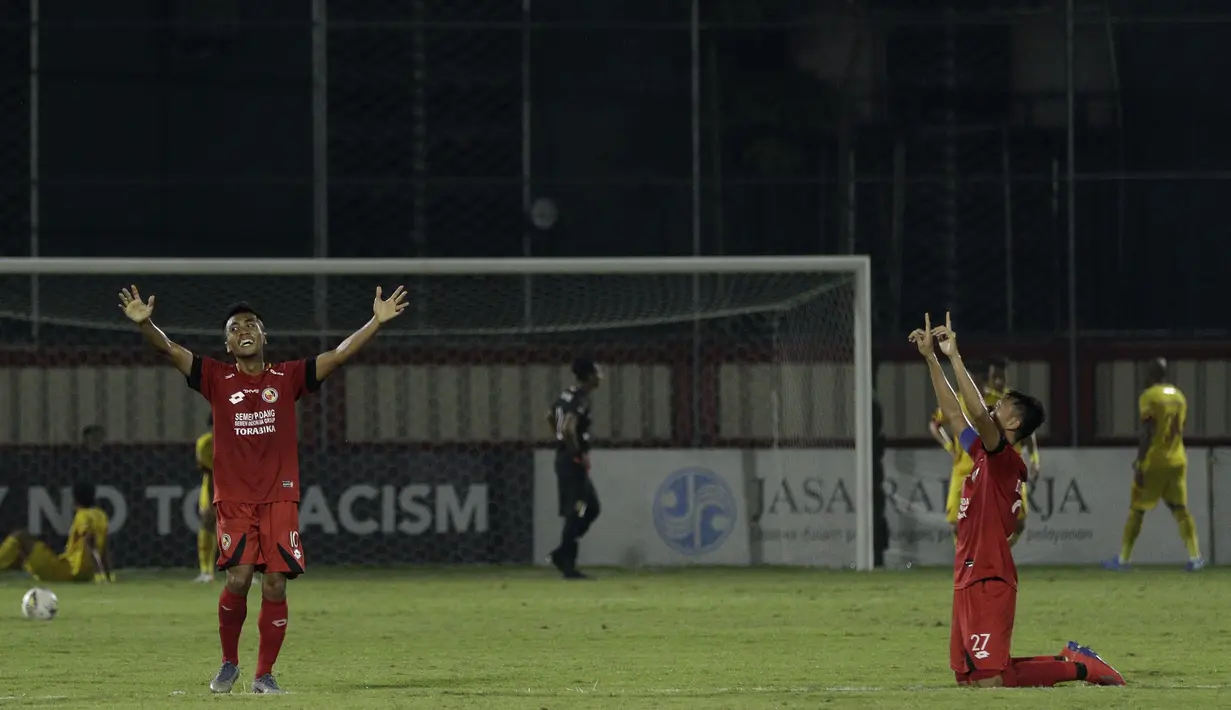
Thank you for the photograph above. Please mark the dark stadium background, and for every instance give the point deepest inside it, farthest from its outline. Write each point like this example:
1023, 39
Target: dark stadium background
185, 128
1055, 173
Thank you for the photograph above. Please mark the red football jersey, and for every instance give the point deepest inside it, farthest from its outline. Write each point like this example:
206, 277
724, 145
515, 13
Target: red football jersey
256, 437
987, 516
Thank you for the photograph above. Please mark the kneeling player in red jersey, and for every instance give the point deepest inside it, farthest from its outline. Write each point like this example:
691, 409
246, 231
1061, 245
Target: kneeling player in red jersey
256, 466
984, 576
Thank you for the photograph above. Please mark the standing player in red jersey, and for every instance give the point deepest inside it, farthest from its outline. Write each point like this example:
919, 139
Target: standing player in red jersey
984, 576
256, 465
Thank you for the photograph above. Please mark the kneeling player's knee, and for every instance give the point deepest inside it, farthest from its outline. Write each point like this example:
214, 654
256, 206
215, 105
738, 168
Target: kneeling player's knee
239, 579
987, 679
273, 587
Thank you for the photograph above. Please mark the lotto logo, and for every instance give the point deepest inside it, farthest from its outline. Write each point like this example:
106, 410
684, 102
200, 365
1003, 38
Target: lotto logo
237, 398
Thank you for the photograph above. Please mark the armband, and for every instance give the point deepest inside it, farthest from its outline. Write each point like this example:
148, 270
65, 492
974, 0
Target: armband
967, 438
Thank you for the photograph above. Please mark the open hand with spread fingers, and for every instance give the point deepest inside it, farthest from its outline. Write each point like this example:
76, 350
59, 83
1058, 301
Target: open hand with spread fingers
922, 337
946, 337
387, 309
134, 308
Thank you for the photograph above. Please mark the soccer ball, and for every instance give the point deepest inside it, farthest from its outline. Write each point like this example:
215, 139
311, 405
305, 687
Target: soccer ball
40, 604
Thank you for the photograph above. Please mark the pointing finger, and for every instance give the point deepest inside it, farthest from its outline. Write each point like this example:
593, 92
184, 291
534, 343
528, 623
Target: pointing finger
948, 323
927, 322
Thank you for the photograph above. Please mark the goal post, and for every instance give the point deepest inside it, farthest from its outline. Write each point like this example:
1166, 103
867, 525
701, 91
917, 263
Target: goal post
764, 358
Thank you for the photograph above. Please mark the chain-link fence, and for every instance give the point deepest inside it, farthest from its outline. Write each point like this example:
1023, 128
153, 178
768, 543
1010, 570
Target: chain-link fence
1045, 170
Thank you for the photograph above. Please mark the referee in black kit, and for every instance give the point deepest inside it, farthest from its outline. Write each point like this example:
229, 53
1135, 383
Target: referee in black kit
569, 419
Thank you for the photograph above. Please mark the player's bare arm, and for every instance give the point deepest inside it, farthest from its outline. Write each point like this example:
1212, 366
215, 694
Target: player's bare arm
383, 311
1145, 436
939, 435
139, 312
950, 409
980, 417
566, 431
102, 566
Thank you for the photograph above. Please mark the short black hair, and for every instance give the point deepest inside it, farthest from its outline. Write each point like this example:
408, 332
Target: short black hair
583, 368
242, 307
83, 494
1000, 362
1030, 413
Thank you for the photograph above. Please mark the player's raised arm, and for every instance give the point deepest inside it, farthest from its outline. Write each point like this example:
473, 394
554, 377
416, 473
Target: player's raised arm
383, 311
139, 312
936, 427
980, 417
953, 417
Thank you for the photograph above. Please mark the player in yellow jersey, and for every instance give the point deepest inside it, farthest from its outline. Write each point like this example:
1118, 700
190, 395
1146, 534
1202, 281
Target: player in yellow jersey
994, 391
1160, 470
207, 535
990, 379
86, 556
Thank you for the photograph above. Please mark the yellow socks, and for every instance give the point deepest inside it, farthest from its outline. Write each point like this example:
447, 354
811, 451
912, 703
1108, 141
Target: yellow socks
207, 550
1132, 528
1188, 531
10, 553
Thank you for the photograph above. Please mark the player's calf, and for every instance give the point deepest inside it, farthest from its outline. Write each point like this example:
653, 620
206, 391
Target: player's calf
271, 626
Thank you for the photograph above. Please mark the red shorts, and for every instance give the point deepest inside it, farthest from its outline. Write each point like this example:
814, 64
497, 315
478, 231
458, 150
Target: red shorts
265, 535
982, 629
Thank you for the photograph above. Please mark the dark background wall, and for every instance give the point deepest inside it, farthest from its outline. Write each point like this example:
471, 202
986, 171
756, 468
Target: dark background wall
186, 129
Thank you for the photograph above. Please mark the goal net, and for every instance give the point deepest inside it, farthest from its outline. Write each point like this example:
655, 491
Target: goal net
732, 426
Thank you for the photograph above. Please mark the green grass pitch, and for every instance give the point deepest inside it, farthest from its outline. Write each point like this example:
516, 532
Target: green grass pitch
520, 638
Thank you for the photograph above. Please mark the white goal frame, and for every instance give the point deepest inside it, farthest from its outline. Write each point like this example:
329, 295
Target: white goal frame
858, 266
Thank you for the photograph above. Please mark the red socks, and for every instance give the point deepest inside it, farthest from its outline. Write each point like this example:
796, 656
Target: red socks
1042, 672
1028, 659
232, 610
272, 625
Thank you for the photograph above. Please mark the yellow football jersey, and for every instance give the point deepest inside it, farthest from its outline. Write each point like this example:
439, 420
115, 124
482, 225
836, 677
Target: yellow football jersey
990, 398
1166, 406
86, 522
939, 417
205, 451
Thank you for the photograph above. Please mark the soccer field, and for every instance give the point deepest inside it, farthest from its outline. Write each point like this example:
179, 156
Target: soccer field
520, 638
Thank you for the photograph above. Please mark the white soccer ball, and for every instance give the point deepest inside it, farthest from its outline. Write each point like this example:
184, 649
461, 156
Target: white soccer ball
40, 604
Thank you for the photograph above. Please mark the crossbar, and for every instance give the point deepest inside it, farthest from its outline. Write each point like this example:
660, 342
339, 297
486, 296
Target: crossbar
435, 267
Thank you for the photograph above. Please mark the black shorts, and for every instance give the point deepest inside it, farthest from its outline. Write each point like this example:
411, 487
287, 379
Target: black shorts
573, 484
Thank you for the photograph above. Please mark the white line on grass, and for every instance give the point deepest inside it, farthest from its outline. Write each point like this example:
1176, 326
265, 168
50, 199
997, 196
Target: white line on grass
852, 689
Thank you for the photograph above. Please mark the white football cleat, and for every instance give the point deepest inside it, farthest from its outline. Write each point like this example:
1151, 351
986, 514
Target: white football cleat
203, 578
